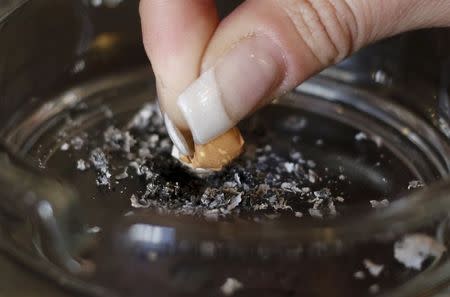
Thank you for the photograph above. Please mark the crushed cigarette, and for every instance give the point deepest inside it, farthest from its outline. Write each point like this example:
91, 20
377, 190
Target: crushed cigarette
217, 153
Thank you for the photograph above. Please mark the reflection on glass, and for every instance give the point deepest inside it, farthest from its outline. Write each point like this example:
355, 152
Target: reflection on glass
152, 236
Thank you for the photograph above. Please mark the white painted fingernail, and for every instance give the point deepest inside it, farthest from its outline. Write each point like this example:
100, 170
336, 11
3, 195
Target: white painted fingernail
227, 92
177, 137
158, 105
203, 109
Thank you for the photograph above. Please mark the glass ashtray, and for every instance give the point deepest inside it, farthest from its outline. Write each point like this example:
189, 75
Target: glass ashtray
327, 200
342, 189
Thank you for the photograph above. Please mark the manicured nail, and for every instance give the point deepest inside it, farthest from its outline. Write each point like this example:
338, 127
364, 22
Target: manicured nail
177, 137
227, 92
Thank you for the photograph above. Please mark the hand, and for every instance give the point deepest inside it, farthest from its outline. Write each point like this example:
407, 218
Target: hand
211, 74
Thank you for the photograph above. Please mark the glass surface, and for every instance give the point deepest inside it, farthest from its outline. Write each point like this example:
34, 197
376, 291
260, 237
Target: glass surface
289, 252
367, 135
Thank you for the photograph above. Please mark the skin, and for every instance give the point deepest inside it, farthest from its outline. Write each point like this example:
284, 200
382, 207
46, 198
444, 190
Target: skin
183, 38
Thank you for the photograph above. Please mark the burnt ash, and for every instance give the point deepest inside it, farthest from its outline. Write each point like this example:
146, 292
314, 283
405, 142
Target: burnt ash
260, 182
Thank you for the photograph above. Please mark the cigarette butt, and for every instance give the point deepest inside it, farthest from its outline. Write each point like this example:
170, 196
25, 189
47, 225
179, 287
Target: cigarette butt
217, 153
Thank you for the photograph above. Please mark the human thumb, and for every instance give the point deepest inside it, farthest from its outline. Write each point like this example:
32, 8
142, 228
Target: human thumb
267, 47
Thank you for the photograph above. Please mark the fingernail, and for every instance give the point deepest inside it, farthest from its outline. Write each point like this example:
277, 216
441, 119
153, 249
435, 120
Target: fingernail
177, 137
228, 91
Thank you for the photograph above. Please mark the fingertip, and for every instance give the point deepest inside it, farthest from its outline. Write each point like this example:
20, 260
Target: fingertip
175, 35
178, 139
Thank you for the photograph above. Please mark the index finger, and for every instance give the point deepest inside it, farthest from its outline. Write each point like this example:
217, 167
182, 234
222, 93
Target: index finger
175, 35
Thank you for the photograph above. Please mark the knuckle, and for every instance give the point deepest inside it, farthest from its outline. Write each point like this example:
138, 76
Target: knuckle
328, 27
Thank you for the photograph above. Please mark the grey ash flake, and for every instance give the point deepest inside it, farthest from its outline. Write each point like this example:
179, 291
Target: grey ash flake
374, 289
379, 203
65, 146
231, 286
359, 275
415, 184
77, 143
116, 140
373, 268
413, 249
101, 165
82, 165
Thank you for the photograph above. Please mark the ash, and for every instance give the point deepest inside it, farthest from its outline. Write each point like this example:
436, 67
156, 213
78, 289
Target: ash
379, 204
414, 249
359, 275
77, 143
101, 165
117, 140
374, 289
415, 184
82, 165
231, 286
261, 183
373, 268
